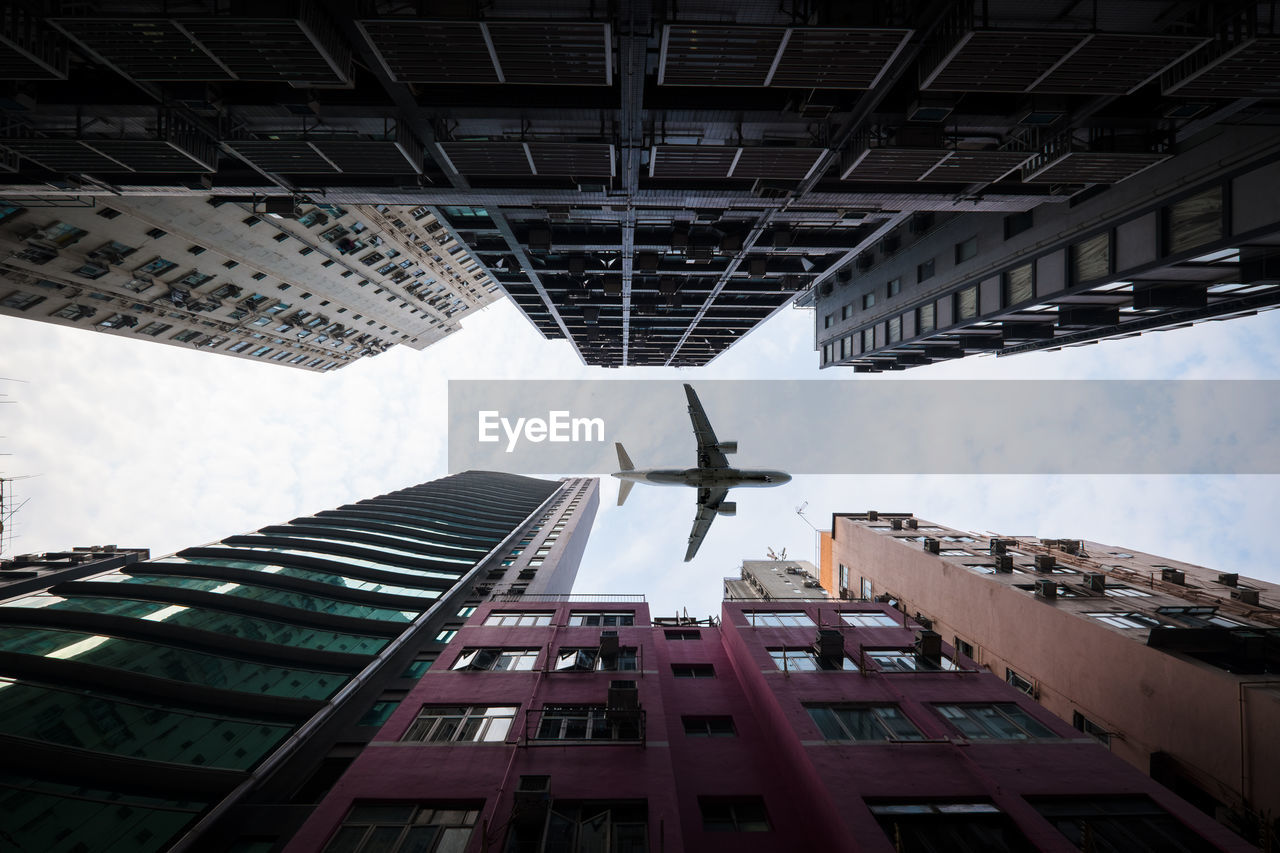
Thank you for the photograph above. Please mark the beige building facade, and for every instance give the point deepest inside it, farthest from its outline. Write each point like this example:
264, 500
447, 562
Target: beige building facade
1173, 667
312, 286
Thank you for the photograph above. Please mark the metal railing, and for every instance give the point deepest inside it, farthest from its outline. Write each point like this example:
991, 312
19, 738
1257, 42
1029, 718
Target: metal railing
565, 596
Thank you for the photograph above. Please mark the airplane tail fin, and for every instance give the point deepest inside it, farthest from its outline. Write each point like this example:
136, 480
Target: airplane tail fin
624, 461
624, 489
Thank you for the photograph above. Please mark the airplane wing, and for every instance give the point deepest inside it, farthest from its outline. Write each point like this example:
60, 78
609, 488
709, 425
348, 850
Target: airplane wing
708, 501
709, 455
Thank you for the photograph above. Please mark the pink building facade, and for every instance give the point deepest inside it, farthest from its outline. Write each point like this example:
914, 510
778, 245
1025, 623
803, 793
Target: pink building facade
557, 724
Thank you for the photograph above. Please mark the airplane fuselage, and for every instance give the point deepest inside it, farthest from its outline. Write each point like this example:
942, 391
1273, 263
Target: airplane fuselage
711, 478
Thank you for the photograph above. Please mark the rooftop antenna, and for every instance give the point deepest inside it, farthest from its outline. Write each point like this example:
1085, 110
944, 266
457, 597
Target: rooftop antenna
816, 534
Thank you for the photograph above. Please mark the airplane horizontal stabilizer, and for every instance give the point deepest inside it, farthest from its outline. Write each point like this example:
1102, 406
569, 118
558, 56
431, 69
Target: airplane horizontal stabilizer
624, 489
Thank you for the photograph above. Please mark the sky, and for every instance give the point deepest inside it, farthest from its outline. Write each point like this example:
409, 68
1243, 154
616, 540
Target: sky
140, 444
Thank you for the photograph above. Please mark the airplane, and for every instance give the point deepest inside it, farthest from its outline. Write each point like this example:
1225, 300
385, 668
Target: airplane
713, 477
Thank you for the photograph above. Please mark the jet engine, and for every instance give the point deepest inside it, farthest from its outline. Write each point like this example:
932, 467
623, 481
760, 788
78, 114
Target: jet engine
727, 508
727, 447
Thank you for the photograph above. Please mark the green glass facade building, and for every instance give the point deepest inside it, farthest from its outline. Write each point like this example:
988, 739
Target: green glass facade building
204, 700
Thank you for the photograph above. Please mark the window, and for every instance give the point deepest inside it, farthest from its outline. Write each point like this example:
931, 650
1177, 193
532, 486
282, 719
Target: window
924, 271
806, 660
446, 635
1019, 682
378, 713
870, 722
1194, 221
895, 329
1018, 286
605, 620
709, 726
777, 619
186, 335
1089, 727
683, 634
895, 287
967, 303
1126, 620
156, 233
1016, 223
497, 660
966, 250
906, 660
925, 318
693, 670
281, 237
827, 320
155, 329
590, 660
869, 619
846, 311
511, 618
461, 724
1126, 592
259, 276
417, 669
195, 278
924, 827
1091, 259
866, 589
738, 814
405, 828
108, 213
1000, 720
1133, 824
21, 301
587, 722
963, 648
156, 266
1199, 617
868, 300
584, 826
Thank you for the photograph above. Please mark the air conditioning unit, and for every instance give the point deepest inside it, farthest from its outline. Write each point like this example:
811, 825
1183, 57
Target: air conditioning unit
865, 261
608, 643
830, 645
623, 694
1245, 596
1232, 579
812, 584
933, 546
1047, 589
997, 546
872, 515
1004, 564
1045, 562
1173, 576
532, 800
1097, 582
929, 646
895, 523
911, 523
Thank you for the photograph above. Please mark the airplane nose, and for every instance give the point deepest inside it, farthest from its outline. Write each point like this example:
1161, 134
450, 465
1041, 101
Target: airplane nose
781, 478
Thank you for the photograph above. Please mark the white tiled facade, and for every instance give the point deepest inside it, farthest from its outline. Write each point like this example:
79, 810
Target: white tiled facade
317, 290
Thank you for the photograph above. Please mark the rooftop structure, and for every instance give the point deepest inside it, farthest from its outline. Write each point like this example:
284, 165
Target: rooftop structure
770, 580
649, 182
1173, 666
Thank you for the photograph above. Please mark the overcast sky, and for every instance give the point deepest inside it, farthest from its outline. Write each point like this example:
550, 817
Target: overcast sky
145, 445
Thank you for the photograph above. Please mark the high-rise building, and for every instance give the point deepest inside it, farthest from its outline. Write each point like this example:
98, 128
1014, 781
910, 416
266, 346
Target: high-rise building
29, 572
577, 723
208, 698
771, 580
314, 286
650, 183
1173, 666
